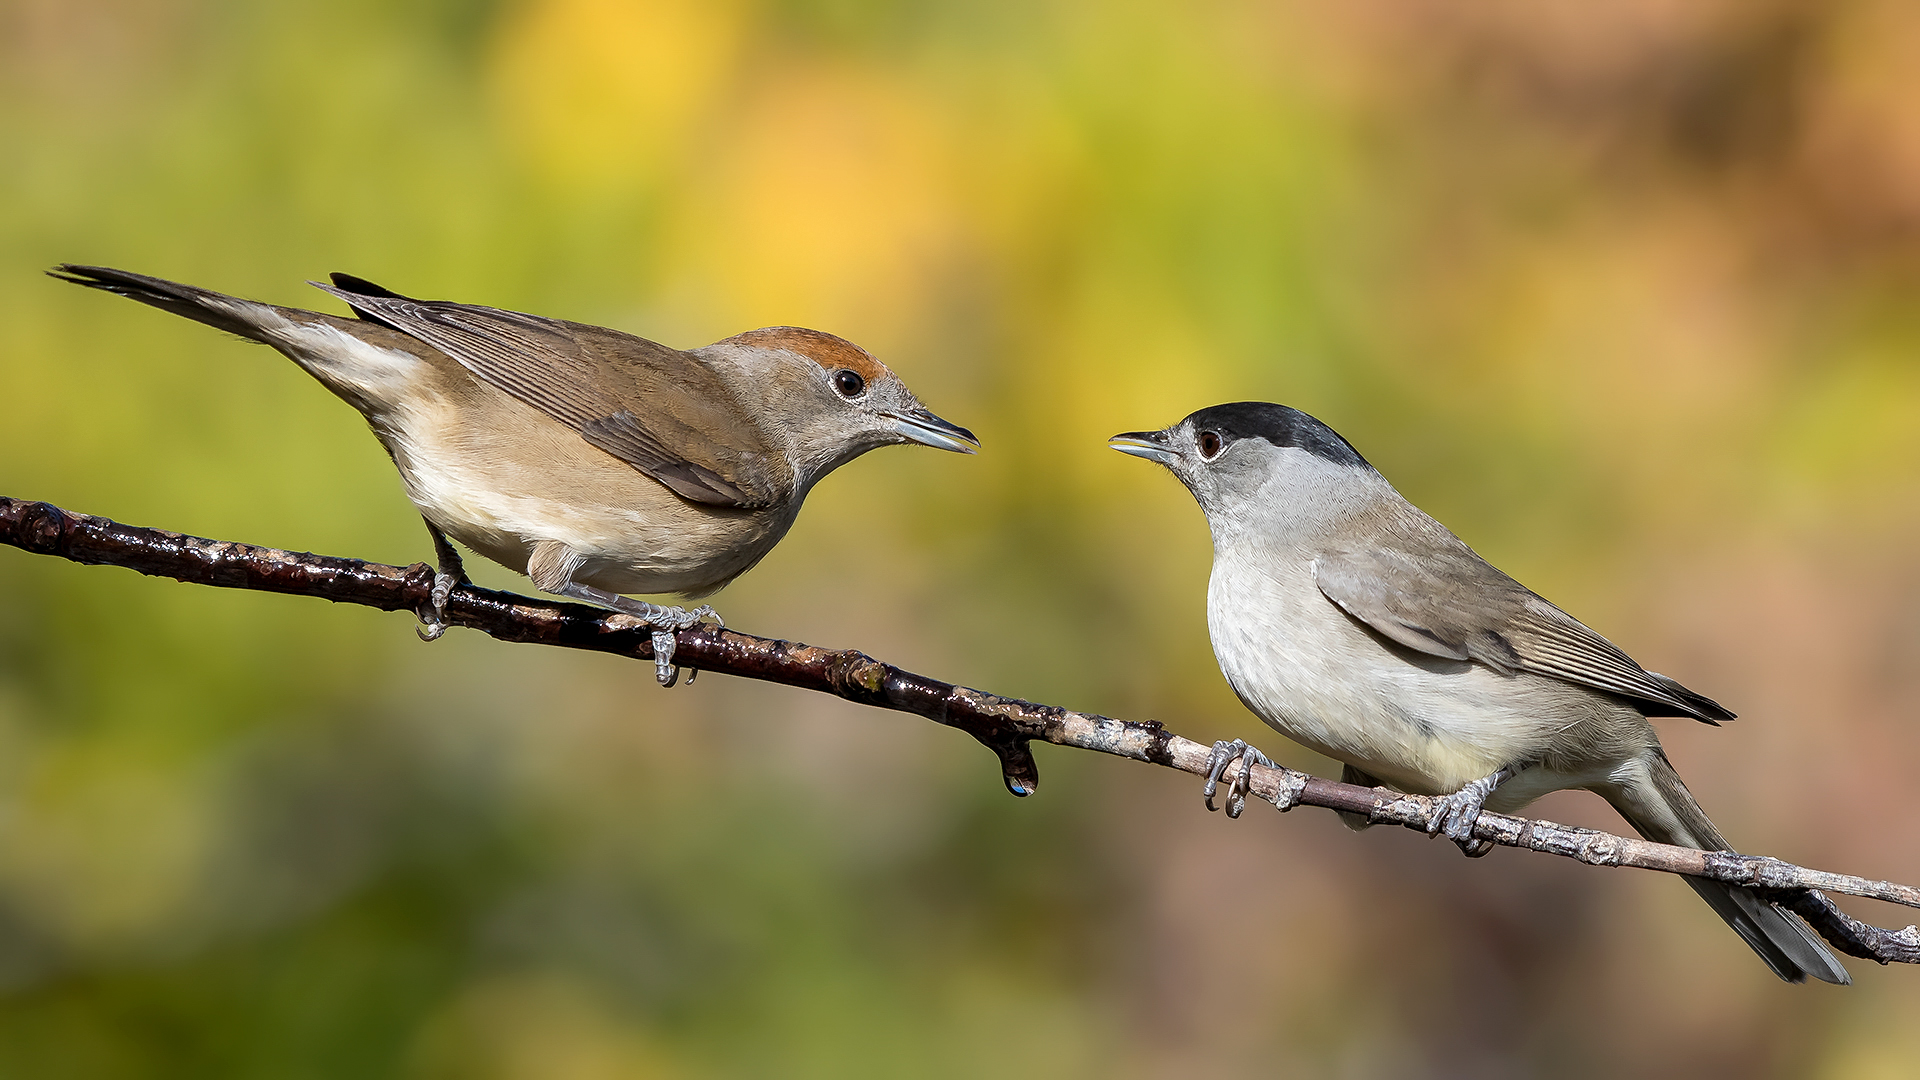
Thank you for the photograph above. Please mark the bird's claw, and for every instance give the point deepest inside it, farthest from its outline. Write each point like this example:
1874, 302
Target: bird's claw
663, 667
666, 625
686, 619
433, 619
448, 575
1456, 814
664, 622
1225, 753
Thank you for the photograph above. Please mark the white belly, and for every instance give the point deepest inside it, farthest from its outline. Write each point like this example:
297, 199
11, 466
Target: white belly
1420, 723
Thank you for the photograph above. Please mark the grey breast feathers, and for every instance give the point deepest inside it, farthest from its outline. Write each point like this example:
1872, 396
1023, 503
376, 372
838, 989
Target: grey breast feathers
1437, 596
659, 409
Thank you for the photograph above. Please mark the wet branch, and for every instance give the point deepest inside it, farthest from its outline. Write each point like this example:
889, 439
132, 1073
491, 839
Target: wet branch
1005, 725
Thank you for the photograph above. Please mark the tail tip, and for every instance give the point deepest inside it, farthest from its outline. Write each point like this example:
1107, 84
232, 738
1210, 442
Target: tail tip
74, 273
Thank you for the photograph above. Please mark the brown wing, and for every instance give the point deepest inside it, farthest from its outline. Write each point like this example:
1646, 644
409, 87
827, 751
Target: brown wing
658, 409
1452, 603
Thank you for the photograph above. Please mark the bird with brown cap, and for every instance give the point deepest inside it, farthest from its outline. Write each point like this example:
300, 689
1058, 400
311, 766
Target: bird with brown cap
593, 461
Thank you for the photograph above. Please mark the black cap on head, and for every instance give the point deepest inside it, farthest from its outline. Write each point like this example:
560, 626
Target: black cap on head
1279, 425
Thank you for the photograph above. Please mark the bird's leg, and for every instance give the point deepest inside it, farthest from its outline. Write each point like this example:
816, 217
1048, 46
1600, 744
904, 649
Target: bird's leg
1455, 814
1224, 754
449, 575
665, 621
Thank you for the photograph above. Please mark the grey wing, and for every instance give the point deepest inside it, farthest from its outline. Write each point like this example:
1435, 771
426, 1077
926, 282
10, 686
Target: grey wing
653, 407
1452, 603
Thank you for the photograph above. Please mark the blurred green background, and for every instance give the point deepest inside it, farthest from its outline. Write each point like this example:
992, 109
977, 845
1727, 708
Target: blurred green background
1623, 293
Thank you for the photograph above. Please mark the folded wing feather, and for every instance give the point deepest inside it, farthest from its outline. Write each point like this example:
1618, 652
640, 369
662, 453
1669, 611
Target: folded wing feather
1452, 603
658, 409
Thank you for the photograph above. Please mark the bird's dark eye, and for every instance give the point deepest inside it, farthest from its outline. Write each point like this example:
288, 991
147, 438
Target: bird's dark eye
849, 383
1209, 445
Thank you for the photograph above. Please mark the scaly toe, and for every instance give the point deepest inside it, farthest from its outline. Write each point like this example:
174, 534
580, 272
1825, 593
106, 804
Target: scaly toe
1459, 827
433, 618
663, 669
1242, 785
1224, 754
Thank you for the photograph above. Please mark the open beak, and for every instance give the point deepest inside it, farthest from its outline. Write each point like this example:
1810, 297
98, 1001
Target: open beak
1151, 445
927, 429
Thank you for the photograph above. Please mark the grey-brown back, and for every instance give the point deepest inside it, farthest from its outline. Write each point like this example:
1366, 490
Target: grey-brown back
1414, 582
659, 409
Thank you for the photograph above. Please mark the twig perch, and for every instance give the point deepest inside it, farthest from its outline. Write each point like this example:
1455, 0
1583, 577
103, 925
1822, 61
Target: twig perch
1005, 725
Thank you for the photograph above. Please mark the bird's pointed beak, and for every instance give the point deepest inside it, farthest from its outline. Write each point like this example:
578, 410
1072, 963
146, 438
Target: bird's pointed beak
923, 427
1152, 445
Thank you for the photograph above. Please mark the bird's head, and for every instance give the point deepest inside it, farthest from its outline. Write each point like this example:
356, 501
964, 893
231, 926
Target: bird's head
1252, 459
827, 400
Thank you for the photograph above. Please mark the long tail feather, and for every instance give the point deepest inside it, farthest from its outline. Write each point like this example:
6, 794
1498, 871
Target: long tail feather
1663, 810
246, 318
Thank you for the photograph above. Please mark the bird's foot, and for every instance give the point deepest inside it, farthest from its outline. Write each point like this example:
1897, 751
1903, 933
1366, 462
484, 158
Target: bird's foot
450, 575
667, 622
433, 619
1225, 754
1456, 814
664, 621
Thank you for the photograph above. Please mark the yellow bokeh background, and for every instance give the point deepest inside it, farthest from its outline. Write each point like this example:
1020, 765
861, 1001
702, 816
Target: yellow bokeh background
1622, 293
